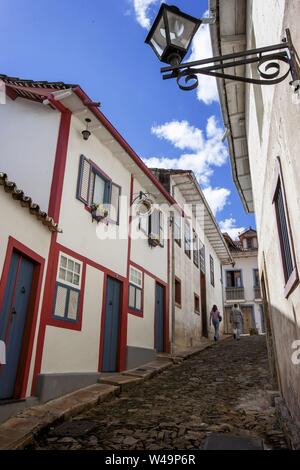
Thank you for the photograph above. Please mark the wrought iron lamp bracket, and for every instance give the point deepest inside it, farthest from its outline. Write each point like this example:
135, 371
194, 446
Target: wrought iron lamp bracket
268, 59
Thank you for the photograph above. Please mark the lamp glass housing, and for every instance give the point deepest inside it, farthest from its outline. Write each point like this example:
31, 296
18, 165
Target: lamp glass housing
171, 34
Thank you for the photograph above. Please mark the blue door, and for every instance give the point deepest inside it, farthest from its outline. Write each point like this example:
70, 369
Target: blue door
13, 314
111, 326
159, 318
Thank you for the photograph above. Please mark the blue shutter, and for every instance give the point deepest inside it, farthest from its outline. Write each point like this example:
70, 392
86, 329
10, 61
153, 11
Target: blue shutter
83, 183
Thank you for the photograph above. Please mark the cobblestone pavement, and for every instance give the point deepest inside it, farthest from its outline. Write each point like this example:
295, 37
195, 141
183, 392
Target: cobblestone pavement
221, 389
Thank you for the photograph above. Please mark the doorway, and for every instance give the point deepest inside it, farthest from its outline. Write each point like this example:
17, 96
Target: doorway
159, 317
15, 315
112, 317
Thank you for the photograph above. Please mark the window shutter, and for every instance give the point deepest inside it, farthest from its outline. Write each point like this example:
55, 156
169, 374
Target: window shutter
73, 305
83, 186
60, 301
115, 202
154, 222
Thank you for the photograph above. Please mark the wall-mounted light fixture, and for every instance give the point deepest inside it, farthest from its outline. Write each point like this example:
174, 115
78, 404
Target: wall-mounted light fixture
143, 203
172, 33
86, 133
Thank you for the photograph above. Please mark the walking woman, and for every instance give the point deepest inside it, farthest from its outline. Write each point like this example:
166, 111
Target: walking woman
215, 319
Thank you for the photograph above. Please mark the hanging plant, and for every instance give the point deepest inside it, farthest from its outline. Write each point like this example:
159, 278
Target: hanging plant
99, 212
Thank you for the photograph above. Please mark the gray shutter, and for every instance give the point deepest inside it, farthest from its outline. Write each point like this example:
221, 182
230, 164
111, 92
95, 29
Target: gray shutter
60, 301
73, 305
115, 202
83, 184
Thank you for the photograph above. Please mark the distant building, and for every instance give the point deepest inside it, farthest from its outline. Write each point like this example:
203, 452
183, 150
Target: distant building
198, 254
241, 282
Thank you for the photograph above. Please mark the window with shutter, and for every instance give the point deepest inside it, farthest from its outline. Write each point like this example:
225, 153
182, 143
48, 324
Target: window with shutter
156, 225
187, 240
83, 185
94, 187
68, 283
290, 271
135, 290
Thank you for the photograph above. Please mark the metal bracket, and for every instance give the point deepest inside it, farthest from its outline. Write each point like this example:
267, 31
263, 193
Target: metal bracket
269, 60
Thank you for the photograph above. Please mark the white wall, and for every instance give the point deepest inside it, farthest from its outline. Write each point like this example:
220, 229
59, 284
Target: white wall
28, 136
140, 331
280, 137
77, 351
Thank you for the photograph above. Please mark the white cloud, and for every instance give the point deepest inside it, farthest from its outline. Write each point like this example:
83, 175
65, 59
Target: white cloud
229, 226
141, 8
207, 91
217, 198
203, 150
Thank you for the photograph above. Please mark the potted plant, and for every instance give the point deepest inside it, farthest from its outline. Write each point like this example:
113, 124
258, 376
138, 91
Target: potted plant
153, 239
99, 212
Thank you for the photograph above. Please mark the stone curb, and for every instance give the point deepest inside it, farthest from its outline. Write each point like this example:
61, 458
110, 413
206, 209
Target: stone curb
19, 431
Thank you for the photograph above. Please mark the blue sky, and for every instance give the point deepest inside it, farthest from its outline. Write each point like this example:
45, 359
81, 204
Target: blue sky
100, 45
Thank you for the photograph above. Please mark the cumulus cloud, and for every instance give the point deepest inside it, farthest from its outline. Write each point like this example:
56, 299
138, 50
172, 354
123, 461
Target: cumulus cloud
207, 91
203, 150
217, 198
142, 9
229, 226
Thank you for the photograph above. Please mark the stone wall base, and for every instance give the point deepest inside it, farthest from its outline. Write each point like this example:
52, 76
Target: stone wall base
290, 429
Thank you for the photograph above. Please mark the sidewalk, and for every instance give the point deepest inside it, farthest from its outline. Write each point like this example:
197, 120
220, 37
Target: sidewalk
19, 431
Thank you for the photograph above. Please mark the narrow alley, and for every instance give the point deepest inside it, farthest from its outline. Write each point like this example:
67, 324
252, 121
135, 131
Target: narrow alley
222, 389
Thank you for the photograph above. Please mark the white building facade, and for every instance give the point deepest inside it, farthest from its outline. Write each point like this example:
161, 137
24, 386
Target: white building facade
264, 147
241, 283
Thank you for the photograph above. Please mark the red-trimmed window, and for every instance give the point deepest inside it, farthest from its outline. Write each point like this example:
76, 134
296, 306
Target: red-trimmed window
284, 232
67, 292
95, 187
135, 297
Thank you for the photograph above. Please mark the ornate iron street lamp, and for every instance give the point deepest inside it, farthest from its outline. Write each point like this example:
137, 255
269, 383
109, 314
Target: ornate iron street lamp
170, 37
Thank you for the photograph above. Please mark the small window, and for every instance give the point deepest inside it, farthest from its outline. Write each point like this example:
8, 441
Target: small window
94, 187
195, 249
187, 240
255, 278
177, 228
68, 283
178, 292
196, 303
156, 225
234, 278
212, 270
135, 289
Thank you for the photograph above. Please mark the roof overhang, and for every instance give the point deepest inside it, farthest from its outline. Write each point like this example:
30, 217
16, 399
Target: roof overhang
228, 35
193, 195
59, 95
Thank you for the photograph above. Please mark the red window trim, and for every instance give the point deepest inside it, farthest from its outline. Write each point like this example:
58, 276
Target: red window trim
293, 279
63, 323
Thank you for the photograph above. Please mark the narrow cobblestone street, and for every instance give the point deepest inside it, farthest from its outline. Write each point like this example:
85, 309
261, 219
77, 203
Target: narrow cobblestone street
222, 389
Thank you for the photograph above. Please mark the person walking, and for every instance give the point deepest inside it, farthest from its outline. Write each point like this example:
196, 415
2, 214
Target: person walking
236, 318
215, 319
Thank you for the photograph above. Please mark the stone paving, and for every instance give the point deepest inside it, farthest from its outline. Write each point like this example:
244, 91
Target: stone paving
222, 389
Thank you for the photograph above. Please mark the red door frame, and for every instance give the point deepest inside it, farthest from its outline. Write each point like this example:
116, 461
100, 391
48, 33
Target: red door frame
121, 350
33, 306
165, 316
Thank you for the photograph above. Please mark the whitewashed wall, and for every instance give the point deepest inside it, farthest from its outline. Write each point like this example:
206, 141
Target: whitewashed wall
278, 124
77, 351
28, 136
